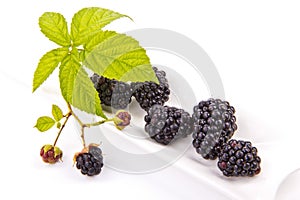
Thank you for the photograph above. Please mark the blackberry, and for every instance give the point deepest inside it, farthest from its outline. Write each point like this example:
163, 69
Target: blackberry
239, 158
91, 162
50, 154
164, 123
214, 125
148, 93
112, 93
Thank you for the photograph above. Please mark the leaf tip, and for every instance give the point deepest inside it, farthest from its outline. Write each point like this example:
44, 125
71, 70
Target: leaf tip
129, 17
156, 80
34, 89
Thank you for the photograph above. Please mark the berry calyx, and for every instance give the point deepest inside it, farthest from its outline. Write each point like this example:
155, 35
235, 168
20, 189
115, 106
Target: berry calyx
50, 154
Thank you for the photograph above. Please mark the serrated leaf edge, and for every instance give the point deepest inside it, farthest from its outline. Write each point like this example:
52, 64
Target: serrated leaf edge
60, 42
45, 56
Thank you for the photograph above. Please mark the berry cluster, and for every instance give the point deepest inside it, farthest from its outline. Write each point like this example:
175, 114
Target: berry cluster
118, 94
89, 160
212, 125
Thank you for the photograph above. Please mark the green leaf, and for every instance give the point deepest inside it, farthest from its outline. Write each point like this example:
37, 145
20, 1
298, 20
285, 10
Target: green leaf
82, 56
76, 86
55, 27
118, 56
67, 74
85, 96
106, 39
89, 21
47, 64
44, 123
57, 113
58, 125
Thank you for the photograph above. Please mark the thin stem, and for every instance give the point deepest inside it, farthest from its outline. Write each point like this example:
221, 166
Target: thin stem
88, 126
82, 136
83, 125
75, 116
80, 123
62, 127
99, 122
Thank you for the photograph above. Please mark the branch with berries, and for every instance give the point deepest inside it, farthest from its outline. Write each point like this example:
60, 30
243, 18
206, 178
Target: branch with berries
122, 70
122, 57
52, 154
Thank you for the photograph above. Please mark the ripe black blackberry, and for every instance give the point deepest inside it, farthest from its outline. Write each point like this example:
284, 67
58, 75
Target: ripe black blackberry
91, 162
164, 123
214, 125
239, 158
148, 93
112, 93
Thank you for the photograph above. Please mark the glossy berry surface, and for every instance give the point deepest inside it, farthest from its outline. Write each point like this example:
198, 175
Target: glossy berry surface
112, 93
214, 125
164, 123
239, 158
90, 163
148, 93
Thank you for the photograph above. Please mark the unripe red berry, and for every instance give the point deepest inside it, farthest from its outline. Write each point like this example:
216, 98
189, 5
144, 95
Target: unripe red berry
122, 119
50, 154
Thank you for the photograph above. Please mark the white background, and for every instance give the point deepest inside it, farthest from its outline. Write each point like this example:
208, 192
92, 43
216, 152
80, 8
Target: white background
255, 46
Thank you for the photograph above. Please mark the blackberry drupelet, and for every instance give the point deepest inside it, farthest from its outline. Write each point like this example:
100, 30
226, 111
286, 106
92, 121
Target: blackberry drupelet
239, 158
148, 93
214, 125
112, 93
91, 162
164, 123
